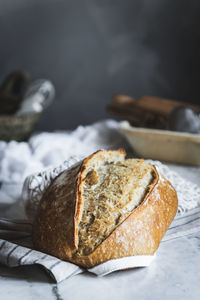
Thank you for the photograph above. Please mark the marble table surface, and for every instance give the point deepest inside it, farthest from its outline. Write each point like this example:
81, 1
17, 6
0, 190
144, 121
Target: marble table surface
174, 274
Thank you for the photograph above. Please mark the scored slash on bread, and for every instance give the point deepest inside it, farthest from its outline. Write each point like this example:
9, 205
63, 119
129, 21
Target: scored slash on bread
104, 207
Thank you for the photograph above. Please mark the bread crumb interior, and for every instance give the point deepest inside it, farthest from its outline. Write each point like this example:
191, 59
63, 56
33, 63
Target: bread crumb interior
110, 192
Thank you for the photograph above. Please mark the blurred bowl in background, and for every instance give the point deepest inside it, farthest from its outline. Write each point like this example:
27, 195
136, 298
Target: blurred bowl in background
164, 145
17, 128
19, 112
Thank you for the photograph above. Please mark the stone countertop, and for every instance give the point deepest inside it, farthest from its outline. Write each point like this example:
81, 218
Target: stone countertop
174, 274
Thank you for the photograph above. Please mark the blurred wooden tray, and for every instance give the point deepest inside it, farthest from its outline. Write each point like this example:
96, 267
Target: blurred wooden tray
175, 147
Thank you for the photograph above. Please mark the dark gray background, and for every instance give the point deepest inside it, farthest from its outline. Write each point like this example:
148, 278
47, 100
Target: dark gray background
94, 48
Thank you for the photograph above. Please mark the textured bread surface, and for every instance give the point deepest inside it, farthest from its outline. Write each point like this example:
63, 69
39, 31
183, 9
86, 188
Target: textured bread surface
105, 207
110, 193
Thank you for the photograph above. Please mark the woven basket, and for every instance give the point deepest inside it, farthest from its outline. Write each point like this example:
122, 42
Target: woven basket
17, 128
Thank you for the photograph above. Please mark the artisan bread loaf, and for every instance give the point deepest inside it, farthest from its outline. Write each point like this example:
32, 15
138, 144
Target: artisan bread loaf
104, 207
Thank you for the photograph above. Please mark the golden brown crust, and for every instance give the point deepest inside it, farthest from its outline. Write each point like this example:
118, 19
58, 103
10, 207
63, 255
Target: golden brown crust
53, 230
56, 228
79, 200
142, 231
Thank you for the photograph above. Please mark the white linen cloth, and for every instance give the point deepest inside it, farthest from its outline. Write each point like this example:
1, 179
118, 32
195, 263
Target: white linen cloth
17, 160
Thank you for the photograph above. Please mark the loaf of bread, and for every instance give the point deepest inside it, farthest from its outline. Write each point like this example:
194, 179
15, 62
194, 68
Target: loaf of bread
103, 208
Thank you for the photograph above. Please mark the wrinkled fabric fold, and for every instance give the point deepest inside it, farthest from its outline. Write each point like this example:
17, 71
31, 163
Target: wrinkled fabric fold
17, 250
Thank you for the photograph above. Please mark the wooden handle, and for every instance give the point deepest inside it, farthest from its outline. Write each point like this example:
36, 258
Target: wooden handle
127, 108
163, 106
123, 99
155, 105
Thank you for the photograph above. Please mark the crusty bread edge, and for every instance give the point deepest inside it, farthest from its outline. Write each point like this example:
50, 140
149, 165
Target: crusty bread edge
154, 215
79, 200
50, 233
142, 231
